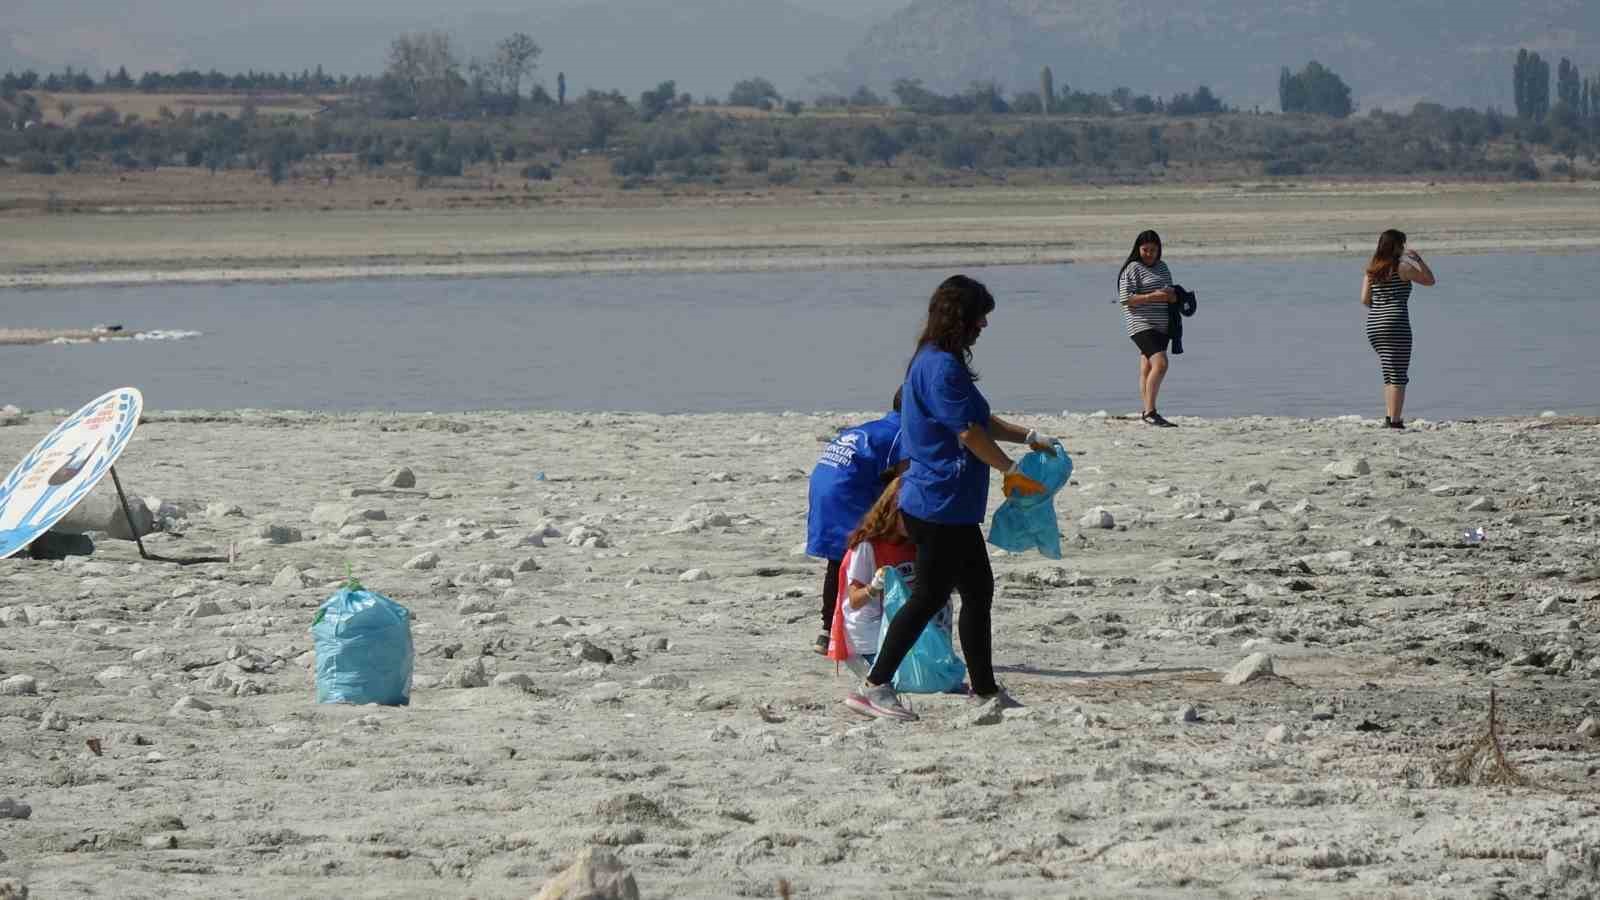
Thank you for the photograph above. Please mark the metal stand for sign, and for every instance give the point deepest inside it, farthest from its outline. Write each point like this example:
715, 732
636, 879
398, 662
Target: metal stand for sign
133, 529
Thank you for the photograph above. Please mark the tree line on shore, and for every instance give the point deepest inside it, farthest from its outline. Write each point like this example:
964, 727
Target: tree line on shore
440, 118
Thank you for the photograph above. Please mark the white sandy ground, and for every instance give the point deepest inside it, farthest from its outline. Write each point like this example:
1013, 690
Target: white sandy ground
948, 228
713, 754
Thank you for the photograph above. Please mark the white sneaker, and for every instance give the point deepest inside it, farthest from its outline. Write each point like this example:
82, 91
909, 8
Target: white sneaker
879, 700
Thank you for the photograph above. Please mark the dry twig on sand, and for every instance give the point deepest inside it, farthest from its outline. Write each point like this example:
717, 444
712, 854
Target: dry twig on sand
1484, 760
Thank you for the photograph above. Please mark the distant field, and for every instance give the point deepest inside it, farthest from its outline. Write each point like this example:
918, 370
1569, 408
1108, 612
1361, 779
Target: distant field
149, 106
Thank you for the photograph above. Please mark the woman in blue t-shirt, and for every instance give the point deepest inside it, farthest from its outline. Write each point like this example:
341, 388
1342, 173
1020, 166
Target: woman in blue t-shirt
948, 435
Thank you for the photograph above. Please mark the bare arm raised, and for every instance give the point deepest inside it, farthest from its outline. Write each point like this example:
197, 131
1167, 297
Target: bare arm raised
1414, 270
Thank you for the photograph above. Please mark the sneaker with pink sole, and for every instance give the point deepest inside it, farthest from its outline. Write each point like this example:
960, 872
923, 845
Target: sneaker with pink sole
879, 701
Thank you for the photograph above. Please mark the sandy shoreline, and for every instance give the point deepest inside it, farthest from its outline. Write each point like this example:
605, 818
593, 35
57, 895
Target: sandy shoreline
947, 229
711, 753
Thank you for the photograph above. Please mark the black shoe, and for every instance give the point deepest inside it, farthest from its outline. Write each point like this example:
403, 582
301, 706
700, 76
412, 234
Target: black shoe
1394, 423
1154, 418
821, 646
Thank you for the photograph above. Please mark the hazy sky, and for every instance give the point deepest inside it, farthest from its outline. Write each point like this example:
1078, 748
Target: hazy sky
628, 44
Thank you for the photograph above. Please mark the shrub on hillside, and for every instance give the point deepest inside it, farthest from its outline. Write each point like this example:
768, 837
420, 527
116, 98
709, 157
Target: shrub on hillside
35, 163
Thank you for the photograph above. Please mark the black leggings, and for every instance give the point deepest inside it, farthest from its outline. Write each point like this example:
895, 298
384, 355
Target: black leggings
948, 556
830, 593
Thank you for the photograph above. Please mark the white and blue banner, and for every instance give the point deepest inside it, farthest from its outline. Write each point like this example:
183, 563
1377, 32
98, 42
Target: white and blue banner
64, 467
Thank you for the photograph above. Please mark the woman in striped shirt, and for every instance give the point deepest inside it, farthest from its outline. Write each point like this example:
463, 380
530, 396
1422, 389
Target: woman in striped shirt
1386, 292
1144, 288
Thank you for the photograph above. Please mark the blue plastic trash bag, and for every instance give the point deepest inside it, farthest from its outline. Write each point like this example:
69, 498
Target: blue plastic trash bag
1029, 523
932, 666
363, 642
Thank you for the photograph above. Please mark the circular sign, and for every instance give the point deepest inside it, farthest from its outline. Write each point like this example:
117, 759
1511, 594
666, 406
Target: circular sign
64, 467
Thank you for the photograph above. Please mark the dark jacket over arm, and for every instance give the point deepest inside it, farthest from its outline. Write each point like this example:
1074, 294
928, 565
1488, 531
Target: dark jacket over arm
1186, 305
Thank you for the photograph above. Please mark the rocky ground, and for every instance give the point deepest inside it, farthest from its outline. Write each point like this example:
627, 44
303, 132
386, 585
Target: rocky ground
613, 631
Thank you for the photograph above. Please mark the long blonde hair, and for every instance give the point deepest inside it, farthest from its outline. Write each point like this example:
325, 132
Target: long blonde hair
882, 520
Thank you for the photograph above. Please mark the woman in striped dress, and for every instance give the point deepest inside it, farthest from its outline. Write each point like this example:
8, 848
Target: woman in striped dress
1386, 292
1144, 288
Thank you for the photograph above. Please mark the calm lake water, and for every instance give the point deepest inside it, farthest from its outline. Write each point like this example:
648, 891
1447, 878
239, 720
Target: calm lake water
1280, 337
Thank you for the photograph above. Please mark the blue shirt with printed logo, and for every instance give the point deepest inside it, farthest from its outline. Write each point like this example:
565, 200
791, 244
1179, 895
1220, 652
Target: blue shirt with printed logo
945, 483
846, 482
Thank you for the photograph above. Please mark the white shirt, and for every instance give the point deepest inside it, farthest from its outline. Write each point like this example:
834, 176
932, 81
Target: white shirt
863, 626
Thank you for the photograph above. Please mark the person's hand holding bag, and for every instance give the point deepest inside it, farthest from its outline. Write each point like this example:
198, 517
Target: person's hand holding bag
1040, 442
1017, 484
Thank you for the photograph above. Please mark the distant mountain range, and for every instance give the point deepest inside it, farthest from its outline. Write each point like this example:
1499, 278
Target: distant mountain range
1458, 52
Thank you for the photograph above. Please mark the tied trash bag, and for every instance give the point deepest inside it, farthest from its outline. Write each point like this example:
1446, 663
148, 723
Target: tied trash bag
1029, 523
363, 643
932, 666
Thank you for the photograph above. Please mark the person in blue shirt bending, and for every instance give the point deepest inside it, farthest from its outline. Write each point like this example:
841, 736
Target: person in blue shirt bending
948, 435
848, 477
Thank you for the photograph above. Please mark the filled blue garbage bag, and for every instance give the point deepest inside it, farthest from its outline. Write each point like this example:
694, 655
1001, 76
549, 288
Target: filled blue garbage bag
1029, 523
932, 666
363, 644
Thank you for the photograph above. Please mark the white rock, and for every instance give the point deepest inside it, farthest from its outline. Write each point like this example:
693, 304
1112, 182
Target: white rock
604, 692
1282, 734
1387, 522
1254, 666
495, 572
204, 609
150, 654
695, 575
467, 674
1589, 728
665, 681
189, 702
115, 673
1482, 504
10, 415
335, 515
596, 875
1098, 517
402, 477
474, 605
1260, 506
422, 562
290, 577
1450, 490
52, 721
588, 536
279, 534
224, 511
102, 511
19, 686
723, 732
990, 712
351, 532
1350, 467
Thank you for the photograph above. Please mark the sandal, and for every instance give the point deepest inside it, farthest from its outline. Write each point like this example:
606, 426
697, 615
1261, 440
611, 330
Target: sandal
1154, 418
